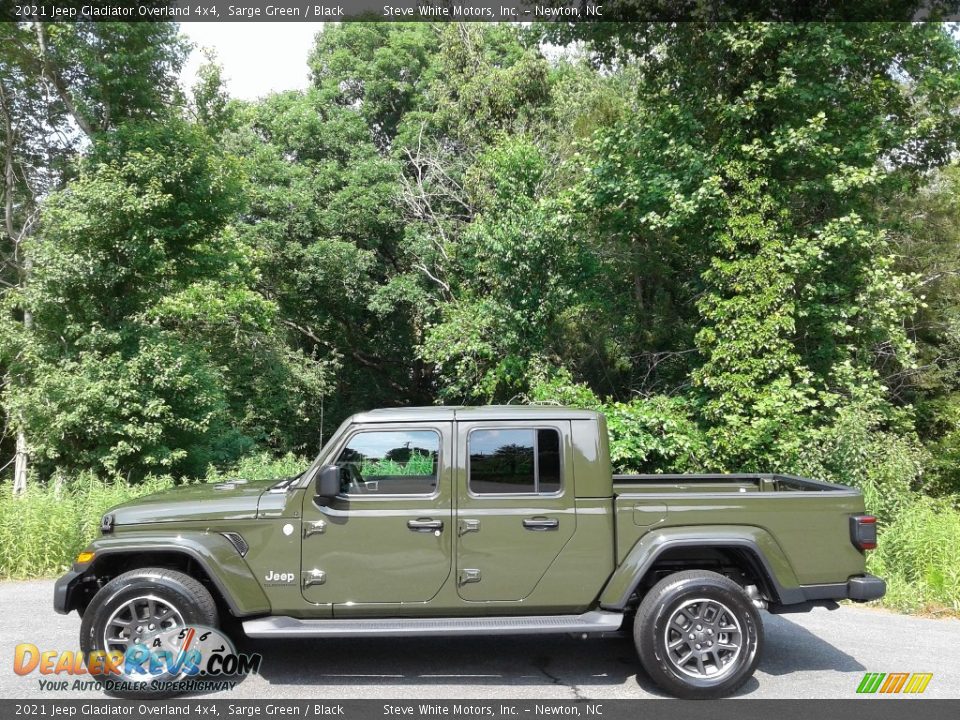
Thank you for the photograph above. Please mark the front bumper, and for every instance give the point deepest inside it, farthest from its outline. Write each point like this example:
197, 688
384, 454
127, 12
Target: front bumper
64, 591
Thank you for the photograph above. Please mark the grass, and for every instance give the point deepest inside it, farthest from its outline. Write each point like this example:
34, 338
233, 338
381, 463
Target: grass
418, 465
918, 554
42, 530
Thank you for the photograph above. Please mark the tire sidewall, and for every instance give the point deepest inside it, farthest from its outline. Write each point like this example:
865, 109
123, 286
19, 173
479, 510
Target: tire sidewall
651, 630
123, 589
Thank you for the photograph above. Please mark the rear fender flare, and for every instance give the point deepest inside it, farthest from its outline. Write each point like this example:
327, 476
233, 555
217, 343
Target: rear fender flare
754, 540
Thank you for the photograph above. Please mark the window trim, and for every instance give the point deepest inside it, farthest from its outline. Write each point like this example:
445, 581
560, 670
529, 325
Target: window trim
380, 496
536, 463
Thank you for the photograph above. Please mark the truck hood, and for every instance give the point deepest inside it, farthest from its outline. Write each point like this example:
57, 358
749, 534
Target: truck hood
230, 500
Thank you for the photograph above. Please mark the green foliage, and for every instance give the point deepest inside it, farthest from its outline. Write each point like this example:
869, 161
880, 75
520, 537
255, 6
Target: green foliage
659, 434
918, 555
419, 464
150, 349
380, 68
42, 530
325, 228
738, 240
865, 448
518, 276
260, 465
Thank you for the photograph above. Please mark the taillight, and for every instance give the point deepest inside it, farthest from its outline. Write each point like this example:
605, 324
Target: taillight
863, 531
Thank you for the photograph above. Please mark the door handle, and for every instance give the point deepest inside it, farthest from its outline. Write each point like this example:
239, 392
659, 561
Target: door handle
425, 525
541, 523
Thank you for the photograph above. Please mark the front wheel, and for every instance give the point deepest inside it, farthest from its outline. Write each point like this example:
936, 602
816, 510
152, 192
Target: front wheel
145, 608
698, 635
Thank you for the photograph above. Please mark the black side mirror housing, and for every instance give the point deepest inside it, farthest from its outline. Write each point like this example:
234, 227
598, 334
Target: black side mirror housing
328, 482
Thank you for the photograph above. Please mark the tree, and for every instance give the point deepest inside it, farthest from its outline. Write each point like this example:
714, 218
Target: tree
514, 285
761, 150
56, 79
150, 348
379, 69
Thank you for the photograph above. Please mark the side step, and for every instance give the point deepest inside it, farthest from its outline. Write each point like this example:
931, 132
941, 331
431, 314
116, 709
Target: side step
595, 621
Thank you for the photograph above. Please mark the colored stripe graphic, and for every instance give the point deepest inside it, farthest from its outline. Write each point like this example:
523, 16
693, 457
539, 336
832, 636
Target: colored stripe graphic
918, 682
893, 683
870, 682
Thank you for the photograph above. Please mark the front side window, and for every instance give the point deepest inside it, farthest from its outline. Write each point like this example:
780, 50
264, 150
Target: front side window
514, 461
390, 462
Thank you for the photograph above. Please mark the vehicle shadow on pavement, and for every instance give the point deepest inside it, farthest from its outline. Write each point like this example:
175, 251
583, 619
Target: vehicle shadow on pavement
522, 661
790, 647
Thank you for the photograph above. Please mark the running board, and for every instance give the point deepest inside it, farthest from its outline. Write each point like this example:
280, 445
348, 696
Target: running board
595, 621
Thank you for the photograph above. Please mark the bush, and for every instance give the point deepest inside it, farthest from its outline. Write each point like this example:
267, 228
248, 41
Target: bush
859, 449
647, 435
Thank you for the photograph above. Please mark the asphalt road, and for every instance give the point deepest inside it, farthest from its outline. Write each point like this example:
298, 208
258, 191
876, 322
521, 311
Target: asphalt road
821, 654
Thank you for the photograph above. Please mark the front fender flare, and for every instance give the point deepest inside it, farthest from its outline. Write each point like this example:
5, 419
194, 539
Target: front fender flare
755, 540
219, 559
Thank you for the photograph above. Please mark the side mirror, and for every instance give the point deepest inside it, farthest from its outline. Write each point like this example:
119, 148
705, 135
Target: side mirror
328, 482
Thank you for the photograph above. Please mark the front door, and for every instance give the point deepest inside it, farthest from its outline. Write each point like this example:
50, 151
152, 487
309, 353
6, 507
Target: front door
516, 506
387, 537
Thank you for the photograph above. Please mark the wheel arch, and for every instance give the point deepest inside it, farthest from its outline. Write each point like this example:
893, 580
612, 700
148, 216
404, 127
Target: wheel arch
752, 549
207, 557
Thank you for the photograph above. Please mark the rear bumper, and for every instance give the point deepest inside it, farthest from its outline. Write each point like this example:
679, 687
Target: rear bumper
859, 588
867, 587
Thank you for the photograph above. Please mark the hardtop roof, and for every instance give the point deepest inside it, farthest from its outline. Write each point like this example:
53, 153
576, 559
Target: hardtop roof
484, 412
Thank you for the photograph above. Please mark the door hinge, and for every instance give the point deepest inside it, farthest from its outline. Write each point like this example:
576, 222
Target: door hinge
313, 577
467, 526
317, 527
468, 575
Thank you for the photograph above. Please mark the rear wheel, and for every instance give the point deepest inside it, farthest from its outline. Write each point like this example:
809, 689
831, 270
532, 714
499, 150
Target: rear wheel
698, 635
143, 607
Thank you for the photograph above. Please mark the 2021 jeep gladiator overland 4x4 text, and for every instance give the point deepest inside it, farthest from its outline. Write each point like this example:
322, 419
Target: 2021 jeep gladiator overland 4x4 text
480, 521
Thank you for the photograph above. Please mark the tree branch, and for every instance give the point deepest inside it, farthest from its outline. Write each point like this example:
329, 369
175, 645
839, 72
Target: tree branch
53, 76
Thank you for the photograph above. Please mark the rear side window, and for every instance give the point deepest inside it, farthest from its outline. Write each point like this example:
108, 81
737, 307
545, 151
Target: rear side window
390, 462
514, 461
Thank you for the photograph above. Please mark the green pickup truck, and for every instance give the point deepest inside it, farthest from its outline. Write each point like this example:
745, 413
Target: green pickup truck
480, 521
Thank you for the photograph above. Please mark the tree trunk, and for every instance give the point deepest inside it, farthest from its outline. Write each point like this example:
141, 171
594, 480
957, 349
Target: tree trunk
20, 464
14, 236
52, 74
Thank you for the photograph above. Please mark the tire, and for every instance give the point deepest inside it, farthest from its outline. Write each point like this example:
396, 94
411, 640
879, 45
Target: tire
723, 621
190, 601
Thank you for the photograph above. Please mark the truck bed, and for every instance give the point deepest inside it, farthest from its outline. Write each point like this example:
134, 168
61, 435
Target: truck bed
807, 520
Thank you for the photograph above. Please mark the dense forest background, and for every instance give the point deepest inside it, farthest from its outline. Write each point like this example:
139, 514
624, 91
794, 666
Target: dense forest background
741, 241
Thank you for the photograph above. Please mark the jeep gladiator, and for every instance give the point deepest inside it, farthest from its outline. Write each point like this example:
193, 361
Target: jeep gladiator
480, 521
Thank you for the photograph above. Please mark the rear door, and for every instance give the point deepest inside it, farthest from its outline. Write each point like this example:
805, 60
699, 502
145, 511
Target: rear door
515, 506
